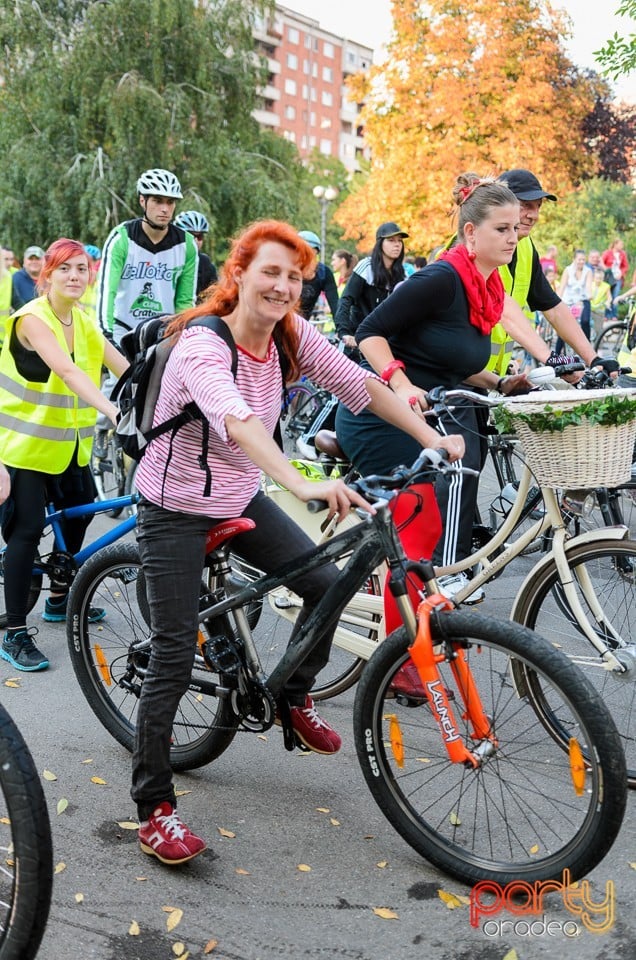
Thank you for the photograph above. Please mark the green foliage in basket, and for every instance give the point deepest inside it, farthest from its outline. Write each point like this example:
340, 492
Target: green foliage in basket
610, 411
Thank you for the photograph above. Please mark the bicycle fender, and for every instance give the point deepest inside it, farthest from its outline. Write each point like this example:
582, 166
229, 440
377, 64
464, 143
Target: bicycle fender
590, 536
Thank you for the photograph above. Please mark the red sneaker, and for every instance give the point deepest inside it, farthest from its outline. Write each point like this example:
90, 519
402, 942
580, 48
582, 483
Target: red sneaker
312, 730
407, 682
165, 836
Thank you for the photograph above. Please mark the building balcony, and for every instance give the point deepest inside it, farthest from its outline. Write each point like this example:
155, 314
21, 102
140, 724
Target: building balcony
265, 118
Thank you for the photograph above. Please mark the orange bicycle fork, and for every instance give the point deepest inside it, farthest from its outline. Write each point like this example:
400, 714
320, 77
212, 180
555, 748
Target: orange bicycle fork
426, 660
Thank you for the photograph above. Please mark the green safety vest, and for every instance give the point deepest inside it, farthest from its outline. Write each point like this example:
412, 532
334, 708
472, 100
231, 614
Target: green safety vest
517, 286
41, 424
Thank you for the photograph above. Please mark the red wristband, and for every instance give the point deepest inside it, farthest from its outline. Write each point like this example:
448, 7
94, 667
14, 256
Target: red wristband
390, 369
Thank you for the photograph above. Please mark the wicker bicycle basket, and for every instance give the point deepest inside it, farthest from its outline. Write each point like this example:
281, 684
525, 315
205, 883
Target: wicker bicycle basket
581, 455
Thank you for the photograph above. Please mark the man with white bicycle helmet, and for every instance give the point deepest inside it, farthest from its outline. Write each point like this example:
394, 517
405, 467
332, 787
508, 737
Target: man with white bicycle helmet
196, 223
148, 268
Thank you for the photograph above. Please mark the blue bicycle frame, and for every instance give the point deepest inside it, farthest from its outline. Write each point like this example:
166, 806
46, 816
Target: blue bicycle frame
54, 518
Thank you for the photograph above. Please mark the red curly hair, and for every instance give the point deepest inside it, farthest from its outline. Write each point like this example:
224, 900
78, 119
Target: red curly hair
223, 296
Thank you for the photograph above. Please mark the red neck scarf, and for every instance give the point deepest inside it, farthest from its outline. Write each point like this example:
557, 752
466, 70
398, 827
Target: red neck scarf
485, 297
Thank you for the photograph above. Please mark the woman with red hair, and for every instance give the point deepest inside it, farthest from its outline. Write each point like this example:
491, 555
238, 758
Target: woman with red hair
50, 370
257, 296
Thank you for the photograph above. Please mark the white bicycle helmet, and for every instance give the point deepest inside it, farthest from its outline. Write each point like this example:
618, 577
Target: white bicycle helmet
160, 183
192, 221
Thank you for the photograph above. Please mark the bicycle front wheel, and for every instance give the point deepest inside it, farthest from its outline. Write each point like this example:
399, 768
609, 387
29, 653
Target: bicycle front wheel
608, 566
110, 668
610, 340
26, 877
518, 814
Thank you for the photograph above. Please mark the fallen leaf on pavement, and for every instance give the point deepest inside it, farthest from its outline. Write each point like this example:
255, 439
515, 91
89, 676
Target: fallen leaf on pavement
385, 913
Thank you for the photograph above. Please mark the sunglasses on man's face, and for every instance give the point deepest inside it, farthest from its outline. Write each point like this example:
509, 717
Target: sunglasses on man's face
198, 236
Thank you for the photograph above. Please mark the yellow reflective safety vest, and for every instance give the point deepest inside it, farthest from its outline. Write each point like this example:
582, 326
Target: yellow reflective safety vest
41, 424
517, 286
5, 301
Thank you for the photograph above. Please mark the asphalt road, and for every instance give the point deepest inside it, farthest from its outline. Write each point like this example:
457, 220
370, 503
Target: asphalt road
265, 813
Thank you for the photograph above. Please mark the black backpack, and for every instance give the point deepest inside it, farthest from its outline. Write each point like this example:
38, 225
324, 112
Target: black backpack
137, 390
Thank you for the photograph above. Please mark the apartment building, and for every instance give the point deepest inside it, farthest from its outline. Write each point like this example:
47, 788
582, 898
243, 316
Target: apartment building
305, 99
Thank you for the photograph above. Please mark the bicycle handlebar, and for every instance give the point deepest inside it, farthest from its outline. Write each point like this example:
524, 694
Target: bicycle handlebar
376, 487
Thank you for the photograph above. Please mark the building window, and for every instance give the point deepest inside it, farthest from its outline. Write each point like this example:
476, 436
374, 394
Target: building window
289, 135
351, 58
327, 99
312, 141
327, 74
314, 95
290, 112
292, 61
328, 49
325, 123
314, 70
325, 147
312, 119
303, 142
292, 35
306, 67
305, 92
290, 87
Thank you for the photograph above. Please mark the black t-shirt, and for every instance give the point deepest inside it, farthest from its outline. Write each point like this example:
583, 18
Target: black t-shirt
426, 322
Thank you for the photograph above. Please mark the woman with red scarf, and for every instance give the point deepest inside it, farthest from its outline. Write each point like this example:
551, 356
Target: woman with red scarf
434, 330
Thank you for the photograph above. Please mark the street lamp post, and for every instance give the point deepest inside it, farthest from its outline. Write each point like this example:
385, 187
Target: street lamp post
324, 195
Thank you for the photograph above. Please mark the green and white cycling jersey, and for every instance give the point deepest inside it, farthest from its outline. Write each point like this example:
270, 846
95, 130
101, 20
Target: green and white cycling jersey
139, 279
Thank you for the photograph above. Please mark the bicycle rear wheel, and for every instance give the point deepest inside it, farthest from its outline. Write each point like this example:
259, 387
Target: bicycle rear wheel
26, 877
304, 405
543, 607
110, 669
610, 340
109, 473
517, 816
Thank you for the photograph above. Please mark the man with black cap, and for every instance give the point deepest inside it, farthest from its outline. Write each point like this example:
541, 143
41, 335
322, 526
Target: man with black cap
526, 283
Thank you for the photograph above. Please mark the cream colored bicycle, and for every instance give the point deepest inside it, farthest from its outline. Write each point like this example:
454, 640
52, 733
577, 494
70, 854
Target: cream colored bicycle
579, 594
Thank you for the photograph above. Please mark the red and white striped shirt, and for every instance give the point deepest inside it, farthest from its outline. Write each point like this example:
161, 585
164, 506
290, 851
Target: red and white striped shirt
199, 369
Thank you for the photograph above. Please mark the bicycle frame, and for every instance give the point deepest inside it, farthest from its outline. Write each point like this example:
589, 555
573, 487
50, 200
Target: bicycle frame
54, 521
366, 544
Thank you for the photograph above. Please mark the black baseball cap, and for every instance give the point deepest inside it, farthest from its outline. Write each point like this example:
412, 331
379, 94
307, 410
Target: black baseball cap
525, 185
389, 229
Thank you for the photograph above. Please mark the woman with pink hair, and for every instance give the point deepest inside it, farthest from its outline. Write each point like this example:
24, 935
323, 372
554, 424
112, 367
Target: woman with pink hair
50, 371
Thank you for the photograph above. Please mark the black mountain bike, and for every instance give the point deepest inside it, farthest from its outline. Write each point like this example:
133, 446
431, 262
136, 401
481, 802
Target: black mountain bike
503, 765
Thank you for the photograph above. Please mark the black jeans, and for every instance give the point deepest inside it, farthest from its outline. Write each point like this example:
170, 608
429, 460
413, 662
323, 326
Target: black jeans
172, 547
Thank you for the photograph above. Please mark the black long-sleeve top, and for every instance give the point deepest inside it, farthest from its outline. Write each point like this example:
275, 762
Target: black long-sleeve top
427, 324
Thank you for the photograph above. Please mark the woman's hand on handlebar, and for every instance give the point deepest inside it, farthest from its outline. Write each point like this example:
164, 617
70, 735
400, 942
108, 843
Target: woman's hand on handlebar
515, 384
453, 444
414, 397
336, 493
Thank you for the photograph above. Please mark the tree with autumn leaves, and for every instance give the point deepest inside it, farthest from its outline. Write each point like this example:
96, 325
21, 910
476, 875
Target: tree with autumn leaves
481, 85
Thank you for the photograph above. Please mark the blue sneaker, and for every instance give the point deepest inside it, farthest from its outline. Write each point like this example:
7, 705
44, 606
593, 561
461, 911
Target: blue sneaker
22, 653
55, 612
